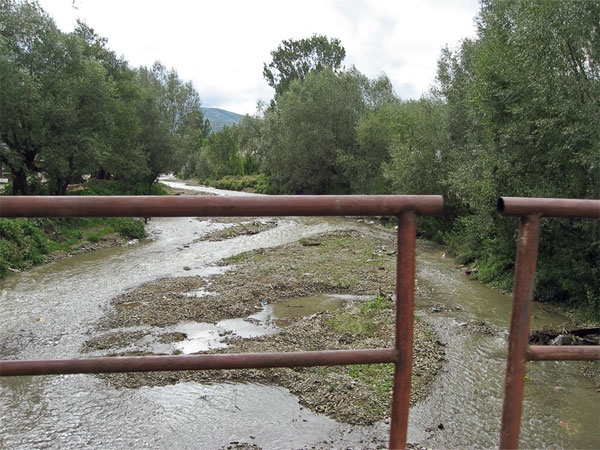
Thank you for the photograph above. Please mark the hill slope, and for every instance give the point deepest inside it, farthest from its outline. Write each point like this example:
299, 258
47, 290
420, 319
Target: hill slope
220, 118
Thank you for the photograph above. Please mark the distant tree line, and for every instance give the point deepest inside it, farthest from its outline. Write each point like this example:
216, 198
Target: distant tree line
515, 112
70, 107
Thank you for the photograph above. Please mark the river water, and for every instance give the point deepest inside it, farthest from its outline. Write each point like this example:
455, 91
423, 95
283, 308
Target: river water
50, 311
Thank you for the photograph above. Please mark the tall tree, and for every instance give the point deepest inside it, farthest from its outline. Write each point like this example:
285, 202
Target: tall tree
170, 115
29, 43
523, 114
294, 59
311, 126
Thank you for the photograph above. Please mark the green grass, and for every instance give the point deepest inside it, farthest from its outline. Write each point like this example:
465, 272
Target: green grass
93, 237
361, 322
119, 187
257, 183
25, 242
379, 376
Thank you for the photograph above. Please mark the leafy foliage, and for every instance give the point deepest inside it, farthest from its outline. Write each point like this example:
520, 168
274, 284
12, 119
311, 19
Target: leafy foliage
312, 125
294, 59
522, 112
25, 242
71, 108
516, 112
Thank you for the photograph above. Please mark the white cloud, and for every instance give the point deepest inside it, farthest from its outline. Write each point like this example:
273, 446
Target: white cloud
221, 46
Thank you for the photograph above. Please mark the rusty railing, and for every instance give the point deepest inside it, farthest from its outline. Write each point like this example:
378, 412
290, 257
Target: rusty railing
530, 211
406, 208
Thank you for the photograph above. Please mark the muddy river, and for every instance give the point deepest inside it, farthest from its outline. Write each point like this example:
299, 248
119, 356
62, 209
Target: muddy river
50, 311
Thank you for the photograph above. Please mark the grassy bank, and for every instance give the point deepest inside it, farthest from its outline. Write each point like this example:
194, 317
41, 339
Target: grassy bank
27, 242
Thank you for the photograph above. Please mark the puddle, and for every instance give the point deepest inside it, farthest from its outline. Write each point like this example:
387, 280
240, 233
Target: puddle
201, 337
281, 313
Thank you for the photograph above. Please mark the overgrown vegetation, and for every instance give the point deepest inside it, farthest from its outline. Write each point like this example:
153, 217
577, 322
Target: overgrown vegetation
258, 183
515, 112
71, 107
26, 242
118, 187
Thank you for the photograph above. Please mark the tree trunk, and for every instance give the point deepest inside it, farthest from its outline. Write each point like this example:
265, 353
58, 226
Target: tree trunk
19, 182
152, 178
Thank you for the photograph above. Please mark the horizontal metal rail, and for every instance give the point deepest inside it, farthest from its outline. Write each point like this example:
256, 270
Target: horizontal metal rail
563, 353
530, 211
549, 207
197, 362
216, 206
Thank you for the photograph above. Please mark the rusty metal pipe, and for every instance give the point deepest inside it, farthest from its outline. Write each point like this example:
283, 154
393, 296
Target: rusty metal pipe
405, 288
212, 206
527, 245
549, 207
563, 353
197, 362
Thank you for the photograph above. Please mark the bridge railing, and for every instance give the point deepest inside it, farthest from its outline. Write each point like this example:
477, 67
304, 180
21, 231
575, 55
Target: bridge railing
406, 208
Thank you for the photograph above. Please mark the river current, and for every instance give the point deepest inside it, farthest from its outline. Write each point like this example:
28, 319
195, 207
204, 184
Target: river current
50, 311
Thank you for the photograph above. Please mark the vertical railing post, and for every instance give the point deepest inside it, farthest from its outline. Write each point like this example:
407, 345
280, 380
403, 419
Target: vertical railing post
405, 286
518, 338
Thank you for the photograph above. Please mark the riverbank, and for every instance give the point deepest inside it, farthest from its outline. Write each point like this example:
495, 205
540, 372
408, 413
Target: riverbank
362, 278
25, 243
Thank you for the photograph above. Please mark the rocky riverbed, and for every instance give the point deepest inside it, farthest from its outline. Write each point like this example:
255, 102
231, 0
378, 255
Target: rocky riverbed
357, 266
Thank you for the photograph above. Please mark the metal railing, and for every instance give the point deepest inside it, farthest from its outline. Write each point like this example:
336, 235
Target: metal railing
530, 211
406, 208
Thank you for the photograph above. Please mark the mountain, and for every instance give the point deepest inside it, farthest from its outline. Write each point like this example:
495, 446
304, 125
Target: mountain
219, 118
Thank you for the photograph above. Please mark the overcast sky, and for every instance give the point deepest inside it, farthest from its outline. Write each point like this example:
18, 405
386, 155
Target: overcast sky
221, 45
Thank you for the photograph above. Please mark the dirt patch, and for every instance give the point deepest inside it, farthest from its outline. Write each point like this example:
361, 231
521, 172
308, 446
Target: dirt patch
345, 262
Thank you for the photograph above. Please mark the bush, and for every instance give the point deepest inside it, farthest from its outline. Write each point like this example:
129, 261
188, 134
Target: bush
257, 183
24, 242
119, 187
130, 228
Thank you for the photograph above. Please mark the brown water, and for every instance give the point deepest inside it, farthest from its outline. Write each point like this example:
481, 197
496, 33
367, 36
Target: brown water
561, 409
48, 312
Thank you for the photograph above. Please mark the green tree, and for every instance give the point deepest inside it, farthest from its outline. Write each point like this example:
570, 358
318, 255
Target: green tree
29, 42
294, 59
170, 117
311, 127
524, 120
230, 151
376, 127
82, 118
121, 157
418, 163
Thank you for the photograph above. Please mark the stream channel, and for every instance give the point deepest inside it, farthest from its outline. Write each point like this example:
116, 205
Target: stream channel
50, 311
